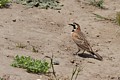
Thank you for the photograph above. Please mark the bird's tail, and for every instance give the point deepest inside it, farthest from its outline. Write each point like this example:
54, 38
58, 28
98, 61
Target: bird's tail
97, 55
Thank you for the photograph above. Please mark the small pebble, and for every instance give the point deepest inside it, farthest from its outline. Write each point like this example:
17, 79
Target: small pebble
90, 62
86, 32
52, 23
72, 61
58, 11
98, 36
96, 50
70, 13
6, 38
1, 26
112, 77
28, 41
109, 41
56, 62
58, 51
83, 7
14, 20
118, 78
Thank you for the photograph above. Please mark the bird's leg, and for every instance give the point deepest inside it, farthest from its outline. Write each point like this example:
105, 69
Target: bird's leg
82, 53
76, 52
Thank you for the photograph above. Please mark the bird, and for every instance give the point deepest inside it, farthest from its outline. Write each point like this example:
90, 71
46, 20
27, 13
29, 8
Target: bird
81, 41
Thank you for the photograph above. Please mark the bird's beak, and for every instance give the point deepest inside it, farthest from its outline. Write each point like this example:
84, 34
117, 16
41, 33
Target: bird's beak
71, 24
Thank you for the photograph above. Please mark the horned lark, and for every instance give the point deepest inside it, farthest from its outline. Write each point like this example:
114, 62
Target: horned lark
81, 41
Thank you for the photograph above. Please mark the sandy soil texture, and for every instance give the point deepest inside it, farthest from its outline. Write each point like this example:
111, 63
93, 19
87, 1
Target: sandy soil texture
49, 32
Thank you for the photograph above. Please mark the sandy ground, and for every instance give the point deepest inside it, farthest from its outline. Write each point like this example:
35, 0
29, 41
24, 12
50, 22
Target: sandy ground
49, 32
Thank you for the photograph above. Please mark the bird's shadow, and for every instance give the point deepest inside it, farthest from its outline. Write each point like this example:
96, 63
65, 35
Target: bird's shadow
85, 55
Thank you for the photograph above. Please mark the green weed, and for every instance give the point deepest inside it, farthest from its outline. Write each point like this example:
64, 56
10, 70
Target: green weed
19, 45
113, 20
104, 18
4, 3
1, 78
44, 4
97, 3
34, 49
118, 18
32, 65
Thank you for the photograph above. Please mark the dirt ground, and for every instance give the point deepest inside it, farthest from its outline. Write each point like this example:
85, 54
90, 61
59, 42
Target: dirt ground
49, 32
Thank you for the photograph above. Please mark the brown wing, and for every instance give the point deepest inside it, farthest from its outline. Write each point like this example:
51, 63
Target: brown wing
81, 41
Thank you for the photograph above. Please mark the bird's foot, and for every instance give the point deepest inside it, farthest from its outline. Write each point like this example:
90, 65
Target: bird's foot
75, 54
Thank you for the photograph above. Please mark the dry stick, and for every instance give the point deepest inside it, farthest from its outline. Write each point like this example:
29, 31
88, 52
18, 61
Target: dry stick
101, 17
77, 73
51, 59
53, 68
73, 73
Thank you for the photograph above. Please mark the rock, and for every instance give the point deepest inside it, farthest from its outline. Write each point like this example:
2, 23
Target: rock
6, 38
96, 50
1, 26
11, 77
38, 79
72, 61
55, 62
112, 77
118, 78
70, 13
82, 7
58, 11
52, 23
86, 32
97, 35
14, 20
109, 41
90, 62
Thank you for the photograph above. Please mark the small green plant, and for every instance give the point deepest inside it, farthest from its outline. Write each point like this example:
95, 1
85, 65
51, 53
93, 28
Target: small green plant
118, 18
32, 65
34, 49
1, 78
113, 20
4, 3
97, 3
19, 45
44, 4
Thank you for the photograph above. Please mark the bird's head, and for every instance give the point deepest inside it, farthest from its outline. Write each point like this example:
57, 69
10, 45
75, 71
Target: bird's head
76, 26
